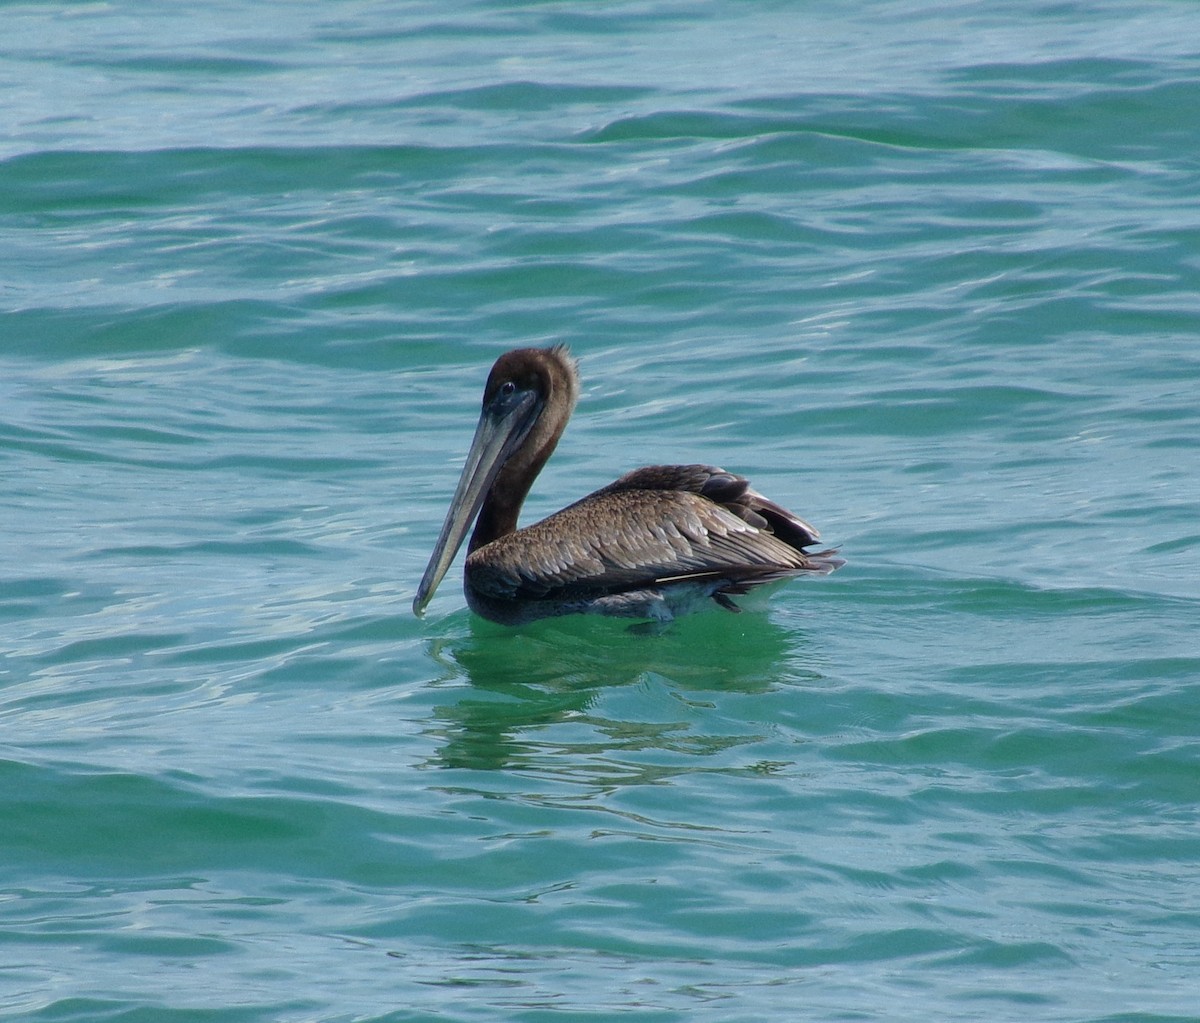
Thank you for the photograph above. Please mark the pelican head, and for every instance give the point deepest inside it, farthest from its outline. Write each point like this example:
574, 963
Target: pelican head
529, 397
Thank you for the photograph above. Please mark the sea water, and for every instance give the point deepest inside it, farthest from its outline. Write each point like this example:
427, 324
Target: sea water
927, 274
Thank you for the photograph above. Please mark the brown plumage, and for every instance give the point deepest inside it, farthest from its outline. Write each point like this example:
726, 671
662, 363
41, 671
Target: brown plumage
655, 543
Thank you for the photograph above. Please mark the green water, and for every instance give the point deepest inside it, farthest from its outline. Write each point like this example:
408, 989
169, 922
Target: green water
929, 276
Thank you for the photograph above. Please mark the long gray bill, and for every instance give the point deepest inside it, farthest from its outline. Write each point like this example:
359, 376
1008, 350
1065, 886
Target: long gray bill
495, 438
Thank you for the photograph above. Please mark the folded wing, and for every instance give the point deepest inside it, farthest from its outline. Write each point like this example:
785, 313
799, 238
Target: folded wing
652, 527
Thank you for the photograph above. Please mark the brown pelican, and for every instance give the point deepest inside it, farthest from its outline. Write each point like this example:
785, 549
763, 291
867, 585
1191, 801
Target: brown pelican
659, 541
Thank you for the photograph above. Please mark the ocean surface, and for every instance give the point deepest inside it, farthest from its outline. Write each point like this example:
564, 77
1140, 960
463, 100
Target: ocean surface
929, 274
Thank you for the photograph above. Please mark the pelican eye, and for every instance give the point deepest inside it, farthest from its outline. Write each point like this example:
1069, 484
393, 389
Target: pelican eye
508, 389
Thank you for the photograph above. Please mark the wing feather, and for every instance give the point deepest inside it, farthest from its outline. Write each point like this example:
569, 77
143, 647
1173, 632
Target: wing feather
653, 525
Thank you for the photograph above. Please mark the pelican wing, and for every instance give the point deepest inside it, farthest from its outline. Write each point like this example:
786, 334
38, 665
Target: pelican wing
727, 489
653, 526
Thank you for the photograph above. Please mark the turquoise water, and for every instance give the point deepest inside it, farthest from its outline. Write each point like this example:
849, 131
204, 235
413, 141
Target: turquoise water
928, 275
